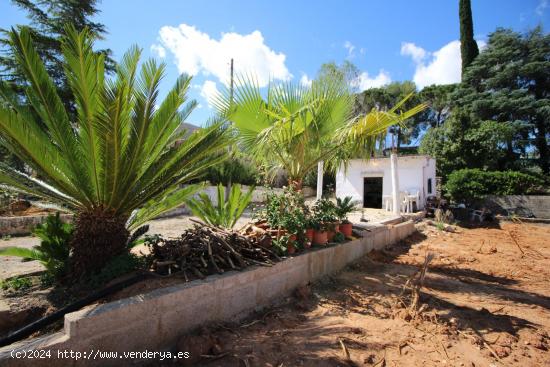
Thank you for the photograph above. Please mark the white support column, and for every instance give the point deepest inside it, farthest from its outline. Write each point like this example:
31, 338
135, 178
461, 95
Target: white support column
395, 184
319, 180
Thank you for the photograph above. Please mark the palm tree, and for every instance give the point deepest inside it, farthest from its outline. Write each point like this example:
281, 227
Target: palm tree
292, 128
123, 160
295, 126
359, 136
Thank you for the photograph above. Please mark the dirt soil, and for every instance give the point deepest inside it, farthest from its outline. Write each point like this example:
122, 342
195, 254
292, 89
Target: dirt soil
485, 301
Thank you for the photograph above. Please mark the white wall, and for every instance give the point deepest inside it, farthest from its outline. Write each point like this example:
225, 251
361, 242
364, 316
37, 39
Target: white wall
413, 172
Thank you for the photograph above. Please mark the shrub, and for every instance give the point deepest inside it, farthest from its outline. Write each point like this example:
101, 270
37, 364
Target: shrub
16, 284
226, 213
235, 170
469, 185
53, 251
287, 211
324, 213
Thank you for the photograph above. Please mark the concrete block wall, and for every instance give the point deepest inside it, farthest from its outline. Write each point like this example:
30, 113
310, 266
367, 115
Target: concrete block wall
25, 224
538, 204
154, 321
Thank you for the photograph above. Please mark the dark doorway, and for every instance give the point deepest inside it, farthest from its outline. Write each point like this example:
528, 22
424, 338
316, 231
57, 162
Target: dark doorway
372, 192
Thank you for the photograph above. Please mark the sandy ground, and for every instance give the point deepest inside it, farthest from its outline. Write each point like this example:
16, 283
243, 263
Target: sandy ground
168, 227
485, 302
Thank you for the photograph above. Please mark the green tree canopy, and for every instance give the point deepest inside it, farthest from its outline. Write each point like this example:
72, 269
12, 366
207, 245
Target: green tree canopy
48, 20
500, 113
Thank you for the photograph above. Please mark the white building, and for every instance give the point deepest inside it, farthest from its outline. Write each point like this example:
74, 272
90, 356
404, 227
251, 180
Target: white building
368, 181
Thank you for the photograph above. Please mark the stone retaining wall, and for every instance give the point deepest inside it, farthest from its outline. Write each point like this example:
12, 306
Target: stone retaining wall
154, 321
25, 224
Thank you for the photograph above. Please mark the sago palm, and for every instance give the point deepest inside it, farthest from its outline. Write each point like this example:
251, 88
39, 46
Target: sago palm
121, 162
225, 212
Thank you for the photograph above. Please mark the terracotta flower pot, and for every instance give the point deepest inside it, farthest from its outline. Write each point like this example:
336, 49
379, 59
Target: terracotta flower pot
290, 248
345, 228
330, 234
320, 237
309, 234
262, 225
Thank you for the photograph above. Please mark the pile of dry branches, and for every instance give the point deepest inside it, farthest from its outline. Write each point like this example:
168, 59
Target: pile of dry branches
205, 250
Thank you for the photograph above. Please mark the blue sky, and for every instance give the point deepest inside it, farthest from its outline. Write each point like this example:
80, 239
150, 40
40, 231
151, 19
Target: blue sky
289, 40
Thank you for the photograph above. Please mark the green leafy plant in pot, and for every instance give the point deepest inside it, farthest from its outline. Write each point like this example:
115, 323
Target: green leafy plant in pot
284, 245
320, 234
343, 208
325, 213
286, 214
310, 224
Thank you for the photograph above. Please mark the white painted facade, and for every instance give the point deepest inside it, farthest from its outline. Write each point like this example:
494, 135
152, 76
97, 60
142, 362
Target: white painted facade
414, 172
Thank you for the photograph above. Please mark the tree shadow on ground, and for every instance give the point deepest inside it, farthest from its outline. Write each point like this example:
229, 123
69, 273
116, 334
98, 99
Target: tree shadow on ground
376, 291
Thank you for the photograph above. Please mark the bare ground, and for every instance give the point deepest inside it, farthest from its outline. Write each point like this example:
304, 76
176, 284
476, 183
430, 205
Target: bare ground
485, 302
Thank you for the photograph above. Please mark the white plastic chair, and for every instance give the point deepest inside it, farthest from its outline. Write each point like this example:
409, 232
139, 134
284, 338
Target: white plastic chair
388, 202
404, 201
413, 197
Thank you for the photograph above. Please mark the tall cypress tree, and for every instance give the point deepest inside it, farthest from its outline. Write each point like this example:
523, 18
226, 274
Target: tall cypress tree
468, 45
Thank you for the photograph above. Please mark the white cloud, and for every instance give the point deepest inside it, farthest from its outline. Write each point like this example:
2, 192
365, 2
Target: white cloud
196, 52
410, 49
209, 91
364, 81
158, 50
350, 47
305, 81
543, 4
439, 67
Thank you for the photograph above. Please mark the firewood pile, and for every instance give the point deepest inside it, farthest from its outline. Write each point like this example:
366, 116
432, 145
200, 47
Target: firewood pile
204, 250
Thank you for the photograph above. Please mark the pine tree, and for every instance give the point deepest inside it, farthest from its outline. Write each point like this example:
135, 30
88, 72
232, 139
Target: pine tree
468, 45
48, 19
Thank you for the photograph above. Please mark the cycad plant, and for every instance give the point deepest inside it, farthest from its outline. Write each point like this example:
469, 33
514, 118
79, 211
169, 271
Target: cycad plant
344, 207
121, 162
224, 213
53, 251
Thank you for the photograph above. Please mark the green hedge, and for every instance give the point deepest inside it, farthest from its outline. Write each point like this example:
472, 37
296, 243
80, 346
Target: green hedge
468, 185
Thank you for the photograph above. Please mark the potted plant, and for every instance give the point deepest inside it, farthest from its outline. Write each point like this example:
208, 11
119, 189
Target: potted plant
343, 208
285, 215
320, 235
309, 225
325, 212
284, 245
290, 244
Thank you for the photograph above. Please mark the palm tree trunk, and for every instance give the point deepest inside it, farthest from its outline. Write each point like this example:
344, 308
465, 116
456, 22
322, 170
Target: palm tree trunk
99, 236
